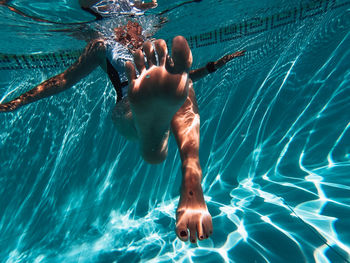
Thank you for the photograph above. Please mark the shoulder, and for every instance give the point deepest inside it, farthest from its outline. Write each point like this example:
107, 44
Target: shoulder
98, 44
96, 48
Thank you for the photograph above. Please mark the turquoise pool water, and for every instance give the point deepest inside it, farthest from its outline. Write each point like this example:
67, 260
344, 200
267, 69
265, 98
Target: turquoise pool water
275, 142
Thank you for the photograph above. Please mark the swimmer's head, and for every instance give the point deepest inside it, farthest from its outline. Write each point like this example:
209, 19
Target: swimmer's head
129, 35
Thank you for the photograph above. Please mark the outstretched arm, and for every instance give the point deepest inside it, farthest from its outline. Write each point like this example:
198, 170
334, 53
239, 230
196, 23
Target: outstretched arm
92, 57
211, 67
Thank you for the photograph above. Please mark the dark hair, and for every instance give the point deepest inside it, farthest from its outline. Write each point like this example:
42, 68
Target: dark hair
130, 35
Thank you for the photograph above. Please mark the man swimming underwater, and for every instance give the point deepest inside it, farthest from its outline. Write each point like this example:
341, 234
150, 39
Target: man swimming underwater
150, 103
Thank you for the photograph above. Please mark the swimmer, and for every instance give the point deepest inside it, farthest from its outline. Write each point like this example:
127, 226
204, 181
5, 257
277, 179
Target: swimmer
150, 104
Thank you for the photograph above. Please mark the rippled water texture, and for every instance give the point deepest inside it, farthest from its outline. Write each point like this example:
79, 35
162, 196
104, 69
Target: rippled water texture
275, 136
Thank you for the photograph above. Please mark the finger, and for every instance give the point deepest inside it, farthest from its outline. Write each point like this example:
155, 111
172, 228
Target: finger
162, 51
150, 54
240, 53
10, 106
228, 58
130, 71
139, 61
182, 55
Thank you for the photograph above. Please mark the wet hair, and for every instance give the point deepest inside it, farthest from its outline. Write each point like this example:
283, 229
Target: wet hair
130, 35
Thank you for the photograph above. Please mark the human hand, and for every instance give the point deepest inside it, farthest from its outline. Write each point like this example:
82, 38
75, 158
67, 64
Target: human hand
222, 61
9, 106
144, 6
155, 4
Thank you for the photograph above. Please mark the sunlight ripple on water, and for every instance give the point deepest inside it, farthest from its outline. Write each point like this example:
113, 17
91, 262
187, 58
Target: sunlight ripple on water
274, 150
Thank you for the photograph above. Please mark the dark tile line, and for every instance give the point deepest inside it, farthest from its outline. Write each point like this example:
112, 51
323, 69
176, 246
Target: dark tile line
230, 32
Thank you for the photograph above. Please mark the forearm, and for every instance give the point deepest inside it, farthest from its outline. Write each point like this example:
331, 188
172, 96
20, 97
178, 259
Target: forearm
92, 57
197, 74
211, 67
49, 87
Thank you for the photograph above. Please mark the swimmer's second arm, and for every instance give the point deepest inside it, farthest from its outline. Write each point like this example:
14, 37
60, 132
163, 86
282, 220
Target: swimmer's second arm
211, 67
86, 63
46, 89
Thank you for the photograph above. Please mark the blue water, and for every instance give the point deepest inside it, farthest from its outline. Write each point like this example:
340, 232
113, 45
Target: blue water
275, 136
